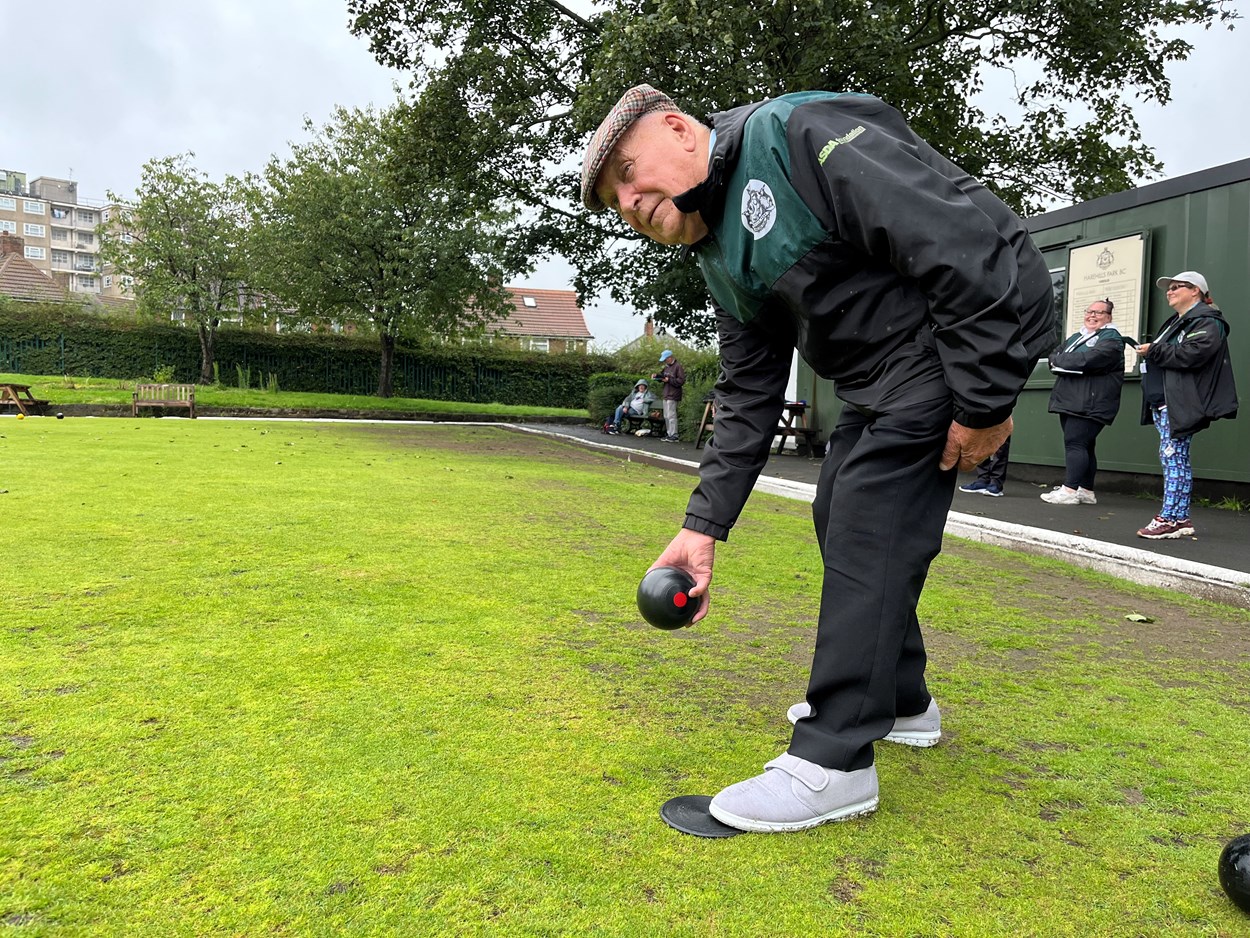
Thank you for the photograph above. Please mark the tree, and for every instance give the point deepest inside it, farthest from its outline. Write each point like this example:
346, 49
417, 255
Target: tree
363, 224
181, 239
543, 75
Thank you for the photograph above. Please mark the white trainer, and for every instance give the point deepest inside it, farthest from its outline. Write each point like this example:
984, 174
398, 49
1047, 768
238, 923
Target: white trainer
1062, 495
922, 730
1086, 496
794, 794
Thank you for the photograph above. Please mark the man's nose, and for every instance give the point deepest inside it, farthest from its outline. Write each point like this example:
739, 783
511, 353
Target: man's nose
627, 197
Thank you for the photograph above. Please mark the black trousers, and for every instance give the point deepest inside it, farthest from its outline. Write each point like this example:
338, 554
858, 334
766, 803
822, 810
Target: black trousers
880, 510
994, 467
1080, 463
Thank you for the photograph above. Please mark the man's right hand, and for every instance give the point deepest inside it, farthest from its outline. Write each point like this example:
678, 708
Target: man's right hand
695, 553
966, 447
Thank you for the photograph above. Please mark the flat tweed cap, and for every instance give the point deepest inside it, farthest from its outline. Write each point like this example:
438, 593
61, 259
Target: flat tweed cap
637, 101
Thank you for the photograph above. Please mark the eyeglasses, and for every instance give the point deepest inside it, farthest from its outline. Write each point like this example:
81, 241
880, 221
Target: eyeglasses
1098, 312
1180, 286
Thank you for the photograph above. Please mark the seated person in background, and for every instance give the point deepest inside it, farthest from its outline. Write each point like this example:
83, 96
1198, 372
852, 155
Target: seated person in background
637, 403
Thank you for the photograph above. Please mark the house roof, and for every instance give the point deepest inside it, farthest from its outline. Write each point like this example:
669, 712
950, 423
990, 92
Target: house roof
21, 279
551, 314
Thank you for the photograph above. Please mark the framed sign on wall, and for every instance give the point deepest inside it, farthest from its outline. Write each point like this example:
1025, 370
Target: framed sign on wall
1109, 269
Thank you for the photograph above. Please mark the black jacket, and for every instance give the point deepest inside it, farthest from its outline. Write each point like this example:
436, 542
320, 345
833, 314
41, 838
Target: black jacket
835, 230
1198, 384
1089, 374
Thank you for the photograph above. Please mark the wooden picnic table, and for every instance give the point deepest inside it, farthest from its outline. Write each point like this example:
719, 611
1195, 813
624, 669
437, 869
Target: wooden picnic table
794, 424
19, 396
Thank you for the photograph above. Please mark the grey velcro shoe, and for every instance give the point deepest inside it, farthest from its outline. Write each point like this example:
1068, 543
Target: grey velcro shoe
794, 794
922, 730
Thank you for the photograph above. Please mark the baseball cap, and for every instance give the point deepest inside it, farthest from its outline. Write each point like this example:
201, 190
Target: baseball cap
666, 355
634, 103
1185, 276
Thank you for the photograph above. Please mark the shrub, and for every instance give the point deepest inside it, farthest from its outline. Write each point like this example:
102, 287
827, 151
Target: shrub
51, 339
690, 410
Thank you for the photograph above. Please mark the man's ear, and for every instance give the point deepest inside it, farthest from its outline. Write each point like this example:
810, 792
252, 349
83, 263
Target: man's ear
683, 128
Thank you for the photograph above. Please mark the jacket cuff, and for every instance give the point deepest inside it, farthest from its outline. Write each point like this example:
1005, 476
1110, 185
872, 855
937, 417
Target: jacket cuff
710, 528
979, 421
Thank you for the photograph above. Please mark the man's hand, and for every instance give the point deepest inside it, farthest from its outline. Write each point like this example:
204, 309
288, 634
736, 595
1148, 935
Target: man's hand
966, 447
694, 553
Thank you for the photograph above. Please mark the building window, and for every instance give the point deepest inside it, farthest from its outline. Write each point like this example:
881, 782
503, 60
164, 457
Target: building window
108, 282
6, 202
85, 237
9, 226
539, 345
35, 231
530, 302
88, 217
86, 283
60, 234
35, 254
32, 208
59, 212
60, 257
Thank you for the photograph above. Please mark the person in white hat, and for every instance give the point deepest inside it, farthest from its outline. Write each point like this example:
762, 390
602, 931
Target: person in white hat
1187, 381
822, 223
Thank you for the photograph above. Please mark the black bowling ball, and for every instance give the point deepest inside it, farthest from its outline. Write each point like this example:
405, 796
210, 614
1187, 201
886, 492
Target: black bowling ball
664, 598
1235, 871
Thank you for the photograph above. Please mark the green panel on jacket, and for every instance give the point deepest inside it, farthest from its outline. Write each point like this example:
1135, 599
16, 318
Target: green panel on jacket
766, 227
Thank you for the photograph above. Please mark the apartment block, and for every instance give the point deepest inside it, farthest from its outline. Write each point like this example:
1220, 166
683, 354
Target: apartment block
59, 231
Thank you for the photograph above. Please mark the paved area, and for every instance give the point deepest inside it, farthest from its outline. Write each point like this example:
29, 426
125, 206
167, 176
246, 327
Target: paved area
1214, 564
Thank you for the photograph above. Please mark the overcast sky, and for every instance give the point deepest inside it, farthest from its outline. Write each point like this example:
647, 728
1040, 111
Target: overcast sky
95, 89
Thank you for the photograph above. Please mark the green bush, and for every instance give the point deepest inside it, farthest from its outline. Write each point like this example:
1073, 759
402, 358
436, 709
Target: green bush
54, 339
690, 410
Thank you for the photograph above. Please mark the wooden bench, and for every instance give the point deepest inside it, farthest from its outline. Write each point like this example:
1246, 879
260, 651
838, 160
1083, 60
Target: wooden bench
163, 395
632, 423
19, 396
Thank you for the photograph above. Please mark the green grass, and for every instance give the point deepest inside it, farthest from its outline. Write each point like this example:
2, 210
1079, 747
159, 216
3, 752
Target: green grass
301, 679
70, 390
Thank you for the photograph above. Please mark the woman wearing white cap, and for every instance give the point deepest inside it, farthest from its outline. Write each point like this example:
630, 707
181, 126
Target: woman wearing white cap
1187, 381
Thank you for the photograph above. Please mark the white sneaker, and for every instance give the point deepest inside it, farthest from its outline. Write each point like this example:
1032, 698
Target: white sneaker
922, 730
1086, 496
794, 794
1062, 495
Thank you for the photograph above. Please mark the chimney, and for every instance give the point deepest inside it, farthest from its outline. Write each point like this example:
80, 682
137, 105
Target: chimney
12, 244
648, 328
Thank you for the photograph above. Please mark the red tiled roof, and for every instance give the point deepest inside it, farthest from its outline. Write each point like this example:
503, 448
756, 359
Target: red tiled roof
22, 279
554, 314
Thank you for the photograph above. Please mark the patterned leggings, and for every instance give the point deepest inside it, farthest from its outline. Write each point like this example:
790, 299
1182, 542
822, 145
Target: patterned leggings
1178, 474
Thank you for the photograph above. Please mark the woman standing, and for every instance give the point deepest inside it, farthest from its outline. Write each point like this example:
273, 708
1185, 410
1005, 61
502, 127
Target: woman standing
1089, 372
1187, 381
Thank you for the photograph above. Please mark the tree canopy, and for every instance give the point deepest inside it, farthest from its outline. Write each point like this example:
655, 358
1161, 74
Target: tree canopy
182, 241
363, 223
538, 75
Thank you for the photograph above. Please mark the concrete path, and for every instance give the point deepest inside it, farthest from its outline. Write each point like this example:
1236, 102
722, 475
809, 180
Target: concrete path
1214, 564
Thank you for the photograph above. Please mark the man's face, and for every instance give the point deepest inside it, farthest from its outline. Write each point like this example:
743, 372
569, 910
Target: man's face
653, 162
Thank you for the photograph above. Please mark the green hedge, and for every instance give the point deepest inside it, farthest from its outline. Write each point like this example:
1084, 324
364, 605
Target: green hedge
51, 340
